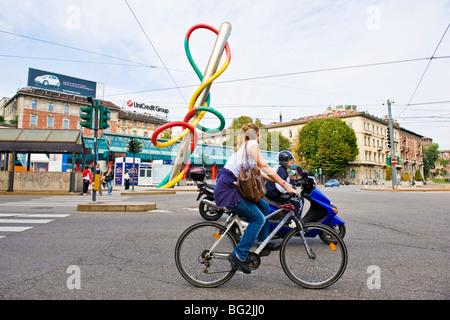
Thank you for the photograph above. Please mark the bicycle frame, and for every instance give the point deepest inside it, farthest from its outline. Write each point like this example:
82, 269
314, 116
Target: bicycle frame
234, 219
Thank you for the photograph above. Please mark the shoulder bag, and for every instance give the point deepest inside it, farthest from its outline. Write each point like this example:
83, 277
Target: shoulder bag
250, 183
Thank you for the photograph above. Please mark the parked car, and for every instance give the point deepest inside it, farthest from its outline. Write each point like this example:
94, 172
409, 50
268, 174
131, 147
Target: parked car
332, 183
48, 80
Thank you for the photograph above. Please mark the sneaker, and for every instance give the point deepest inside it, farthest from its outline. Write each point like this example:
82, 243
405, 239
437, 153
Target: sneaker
238, 264
269, 248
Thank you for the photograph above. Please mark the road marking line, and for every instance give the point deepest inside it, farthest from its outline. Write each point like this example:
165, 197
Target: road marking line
43, 215
25, 221
14, 229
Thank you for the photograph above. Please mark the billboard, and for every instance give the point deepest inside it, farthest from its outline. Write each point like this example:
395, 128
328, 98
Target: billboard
61, 83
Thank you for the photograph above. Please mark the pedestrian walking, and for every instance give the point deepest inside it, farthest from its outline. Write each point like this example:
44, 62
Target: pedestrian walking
126, 178
109, 177
86, 179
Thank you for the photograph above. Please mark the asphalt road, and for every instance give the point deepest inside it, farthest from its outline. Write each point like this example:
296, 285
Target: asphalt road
398, 244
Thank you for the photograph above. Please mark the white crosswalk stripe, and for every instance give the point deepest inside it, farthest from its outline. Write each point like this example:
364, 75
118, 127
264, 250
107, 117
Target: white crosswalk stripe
11, 223
62, 201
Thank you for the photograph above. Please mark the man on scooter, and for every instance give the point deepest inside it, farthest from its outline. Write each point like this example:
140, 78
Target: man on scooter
276, 192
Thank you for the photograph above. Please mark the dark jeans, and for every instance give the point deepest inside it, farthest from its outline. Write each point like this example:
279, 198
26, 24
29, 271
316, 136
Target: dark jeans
258, 227
86, 185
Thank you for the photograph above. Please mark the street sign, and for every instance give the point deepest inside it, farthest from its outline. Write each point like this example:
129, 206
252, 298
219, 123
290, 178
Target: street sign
394, 161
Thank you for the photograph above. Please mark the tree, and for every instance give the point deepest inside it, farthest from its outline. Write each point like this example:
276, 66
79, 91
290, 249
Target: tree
328, 144
430, 156
388, 173
308, 139
417, 175
406, 176
282, 144
237, 123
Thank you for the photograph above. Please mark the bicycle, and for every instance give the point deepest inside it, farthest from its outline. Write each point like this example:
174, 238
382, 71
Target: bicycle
201, 251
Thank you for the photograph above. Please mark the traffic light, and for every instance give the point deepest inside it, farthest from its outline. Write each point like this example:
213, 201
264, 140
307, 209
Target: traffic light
104, 118
388, 160
138, 146
388, 139
134, 146
87, 115
131, 145
110, 156
399, 160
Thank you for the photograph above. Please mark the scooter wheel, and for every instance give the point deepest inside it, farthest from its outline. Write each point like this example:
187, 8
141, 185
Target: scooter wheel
209, 213
340, 230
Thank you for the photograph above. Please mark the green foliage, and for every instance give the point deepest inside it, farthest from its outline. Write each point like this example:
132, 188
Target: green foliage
389, 173
283, 142
328, 144
239, 122
418, 175
406, 176
430, 156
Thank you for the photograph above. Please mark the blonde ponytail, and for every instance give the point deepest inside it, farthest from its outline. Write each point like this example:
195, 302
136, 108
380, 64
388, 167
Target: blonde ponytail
249, 131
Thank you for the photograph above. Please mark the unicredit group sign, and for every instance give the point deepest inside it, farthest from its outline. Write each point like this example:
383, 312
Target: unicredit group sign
143, 108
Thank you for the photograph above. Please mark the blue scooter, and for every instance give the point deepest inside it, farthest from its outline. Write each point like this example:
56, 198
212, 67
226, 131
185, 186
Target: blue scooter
321, 208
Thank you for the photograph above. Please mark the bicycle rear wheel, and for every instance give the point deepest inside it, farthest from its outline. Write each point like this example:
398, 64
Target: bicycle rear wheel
326, 264
197, 263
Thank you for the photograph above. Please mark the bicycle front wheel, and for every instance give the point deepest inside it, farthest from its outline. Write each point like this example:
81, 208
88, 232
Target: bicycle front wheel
319, 268
198, 262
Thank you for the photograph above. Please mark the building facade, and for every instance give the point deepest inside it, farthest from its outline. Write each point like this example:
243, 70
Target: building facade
372, 140
32, 108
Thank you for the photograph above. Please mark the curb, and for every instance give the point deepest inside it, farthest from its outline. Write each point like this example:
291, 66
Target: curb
407, 190
116, 207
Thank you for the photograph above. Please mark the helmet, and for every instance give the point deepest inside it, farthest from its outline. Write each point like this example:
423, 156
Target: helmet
284, 157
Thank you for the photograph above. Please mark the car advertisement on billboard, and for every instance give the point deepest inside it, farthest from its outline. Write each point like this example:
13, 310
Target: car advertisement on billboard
61, 83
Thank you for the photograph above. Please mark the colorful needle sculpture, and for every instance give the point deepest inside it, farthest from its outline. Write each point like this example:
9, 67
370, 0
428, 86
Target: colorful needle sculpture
196, 112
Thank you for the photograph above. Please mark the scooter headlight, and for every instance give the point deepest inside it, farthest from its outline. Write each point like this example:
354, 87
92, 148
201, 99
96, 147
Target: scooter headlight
335, 210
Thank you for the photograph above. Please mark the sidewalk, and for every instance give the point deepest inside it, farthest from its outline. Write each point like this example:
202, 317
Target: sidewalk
138, 190
422, 188
99, 206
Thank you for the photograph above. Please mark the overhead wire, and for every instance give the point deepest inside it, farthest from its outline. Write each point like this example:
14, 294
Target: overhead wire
74, 48
287, 74
425, 71
156, 51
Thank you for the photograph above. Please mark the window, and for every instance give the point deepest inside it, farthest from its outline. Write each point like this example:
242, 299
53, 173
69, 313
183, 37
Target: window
124, 122
66, 124
50, 121
33, 120
50, 106
66, 109
34, 104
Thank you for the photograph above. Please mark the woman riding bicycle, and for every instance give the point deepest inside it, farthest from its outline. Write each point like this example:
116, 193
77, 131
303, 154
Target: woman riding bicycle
227, 195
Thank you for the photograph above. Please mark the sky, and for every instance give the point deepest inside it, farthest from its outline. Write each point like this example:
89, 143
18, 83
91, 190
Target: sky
292, 57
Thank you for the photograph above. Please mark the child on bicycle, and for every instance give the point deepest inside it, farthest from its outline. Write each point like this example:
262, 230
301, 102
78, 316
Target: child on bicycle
277, 192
